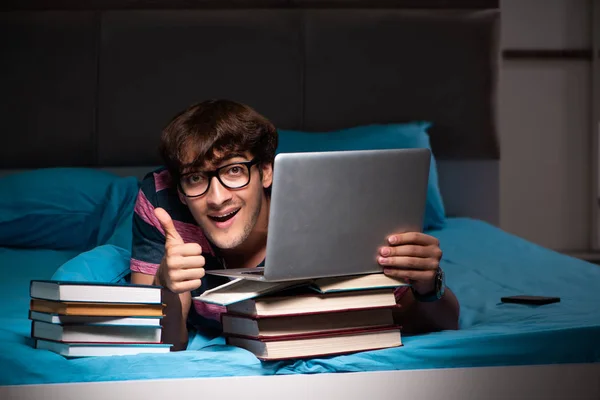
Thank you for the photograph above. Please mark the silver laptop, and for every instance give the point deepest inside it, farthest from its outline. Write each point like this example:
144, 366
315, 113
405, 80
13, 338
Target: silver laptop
331, 211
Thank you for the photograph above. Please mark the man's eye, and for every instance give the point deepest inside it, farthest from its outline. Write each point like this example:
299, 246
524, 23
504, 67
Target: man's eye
235, 170
194, 179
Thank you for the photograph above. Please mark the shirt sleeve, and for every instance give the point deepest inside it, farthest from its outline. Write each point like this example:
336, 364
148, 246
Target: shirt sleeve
148, 240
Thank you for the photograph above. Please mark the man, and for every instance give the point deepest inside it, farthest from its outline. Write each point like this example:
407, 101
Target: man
209, 209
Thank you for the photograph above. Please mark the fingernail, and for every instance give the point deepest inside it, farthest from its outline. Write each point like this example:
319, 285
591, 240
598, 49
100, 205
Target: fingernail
383, 260
392, 239
385, 251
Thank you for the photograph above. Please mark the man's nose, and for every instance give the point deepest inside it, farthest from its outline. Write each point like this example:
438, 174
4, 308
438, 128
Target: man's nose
217, 193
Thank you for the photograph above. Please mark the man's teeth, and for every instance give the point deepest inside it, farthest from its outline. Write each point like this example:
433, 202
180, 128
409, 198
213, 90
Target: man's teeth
224, 217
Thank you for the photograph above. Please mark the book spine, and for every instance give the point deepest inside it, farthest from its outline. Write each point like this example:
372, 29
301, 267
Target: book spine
321, 334
257, 315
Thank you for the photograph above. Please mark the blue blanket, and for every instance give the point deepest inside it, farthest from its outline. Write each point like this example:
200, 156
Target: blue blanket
482, 264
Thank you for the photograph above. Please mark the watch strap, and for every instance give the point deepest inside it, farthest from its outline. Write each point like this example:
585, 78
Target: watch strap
436, 294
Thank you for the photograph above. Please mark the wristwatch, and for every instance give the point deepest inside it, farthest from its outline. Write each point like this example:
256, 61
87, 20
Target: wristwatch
436, 293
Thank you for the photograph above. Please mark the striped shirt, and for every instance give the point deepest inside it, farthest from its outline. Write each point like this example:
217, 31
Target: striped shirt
148, 246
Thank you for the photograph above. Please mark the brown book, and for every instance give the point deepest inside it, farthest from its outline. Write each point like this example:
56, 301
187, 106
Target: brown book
313, 303
97, 309
309, 324
319, 345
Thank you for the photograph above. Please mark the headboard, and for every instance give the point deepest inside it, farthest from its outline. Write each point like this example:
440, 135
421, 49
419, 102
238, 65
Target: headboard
94, 86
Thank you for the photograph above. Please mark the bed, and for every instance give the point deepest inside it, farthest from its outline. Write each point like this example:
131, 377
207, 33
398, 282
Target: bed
482, 262
330, 75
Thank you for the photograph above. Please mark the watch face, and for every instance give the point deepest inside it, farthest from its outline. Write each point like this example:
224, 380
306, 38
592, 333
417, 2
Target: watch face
438, 292
439, 283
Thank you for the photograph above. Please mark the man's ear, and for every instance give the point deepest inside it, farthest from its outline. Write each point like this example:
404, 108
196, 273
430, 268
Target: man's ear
267, 174
182, 198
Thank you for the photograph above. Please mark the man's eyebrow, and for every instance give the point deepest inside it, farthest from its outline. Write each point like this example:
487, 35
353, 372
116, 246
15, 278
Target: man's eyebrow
196, 167
219, 160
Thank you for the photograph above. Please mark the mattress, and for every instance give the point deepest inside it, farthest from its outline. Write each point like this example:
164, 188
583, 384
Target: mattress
482, 264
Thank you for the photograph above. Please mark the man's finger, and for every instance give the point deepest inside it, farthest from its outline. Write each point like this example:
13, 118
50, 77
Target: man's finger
179, 262
411, 250
171, 235
410, 275
417, 238
186, 286
187, 250
183, 275
414, 263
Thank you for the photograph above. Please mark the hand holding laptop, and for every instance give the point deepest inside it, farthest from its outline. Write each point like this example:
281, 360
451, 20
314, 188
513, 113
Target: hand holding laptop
182, 266
413, 256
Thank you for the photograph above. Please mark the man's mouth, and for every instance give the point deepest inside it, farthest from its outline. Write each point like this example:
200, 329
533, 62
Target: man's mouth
224, 217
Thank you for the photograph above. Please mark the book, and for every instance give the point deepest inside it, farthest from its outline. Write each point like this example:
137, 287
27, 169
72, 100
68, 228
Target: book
97, 309
319, 345
73, 350
312, 303
309, 324
93, 320
356, 282
244, 289
95, 333
94, 292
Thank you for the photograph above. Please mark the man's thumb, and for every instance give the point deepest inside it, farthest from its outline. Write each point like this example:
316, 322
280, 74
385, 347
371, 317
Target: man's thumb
171, 234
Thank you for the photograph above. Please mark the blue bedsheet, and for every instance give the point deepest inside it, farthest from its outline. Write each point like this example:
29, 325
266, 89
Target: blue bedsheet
482, 264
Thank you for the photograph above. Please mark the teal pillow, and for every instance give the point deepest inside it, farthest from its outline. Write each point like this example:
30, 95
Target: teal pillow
109, 260
106, 263
54, 208
374, 137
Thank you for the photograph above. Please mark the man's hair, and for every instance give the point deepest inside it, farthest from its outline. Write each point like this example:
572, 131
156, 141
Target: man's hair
192, 137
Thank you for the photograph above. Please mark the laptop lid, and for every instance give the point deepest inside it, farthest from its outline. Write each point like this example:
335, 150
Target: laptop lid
331, 211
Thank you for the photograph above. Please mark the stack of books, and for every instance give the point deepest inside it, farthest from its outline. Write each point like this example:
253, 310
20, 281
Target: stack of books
313, 318
81, 319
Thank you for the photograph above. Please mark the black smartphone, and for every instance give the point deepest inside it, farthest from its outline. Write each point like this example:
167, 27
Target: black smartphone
533, 300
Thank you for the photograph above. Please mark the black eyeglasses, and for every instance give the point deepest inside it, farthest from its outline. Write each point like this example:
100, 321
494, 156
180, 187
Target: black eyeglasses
232, 176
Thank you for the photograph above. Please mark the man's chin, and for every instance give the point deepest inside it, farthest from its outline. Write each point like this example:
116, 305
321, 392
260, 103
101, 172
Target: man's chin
224, 240
226, 243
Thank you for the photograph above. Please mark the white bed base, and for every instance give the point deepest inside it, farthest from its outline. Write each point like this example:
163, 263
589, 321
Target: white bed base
548, 382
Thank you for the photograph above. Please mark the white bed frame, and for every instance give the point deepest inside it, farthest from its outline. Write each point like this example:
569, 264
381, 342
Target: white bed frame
548, 382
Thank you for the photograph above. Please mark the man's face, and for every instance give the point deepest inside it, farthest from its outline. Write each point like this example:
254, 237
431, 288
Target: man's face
228, 216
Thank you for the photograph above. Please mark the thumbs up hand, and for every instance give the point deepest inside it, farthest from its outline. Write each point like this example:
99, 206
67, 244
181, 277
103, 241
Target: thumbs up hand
182, 266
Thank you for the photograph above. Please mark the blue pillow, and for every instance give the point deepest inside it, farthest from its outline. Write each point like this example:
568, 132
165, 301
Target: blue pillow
54, 208
109, 260
374, 137
105, 263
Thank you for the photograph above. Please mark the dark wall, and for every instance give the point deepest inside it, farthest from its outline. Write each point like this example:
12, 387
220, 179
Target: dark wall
95, 87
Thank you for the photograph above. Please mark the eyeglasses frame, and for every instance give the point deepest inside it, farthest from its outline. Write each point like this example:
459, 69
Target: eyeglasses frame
215, 174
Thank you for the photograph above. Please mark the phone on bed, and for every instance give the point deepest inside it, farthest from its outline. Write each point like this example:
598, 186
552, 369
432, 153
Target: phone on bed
532, 300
